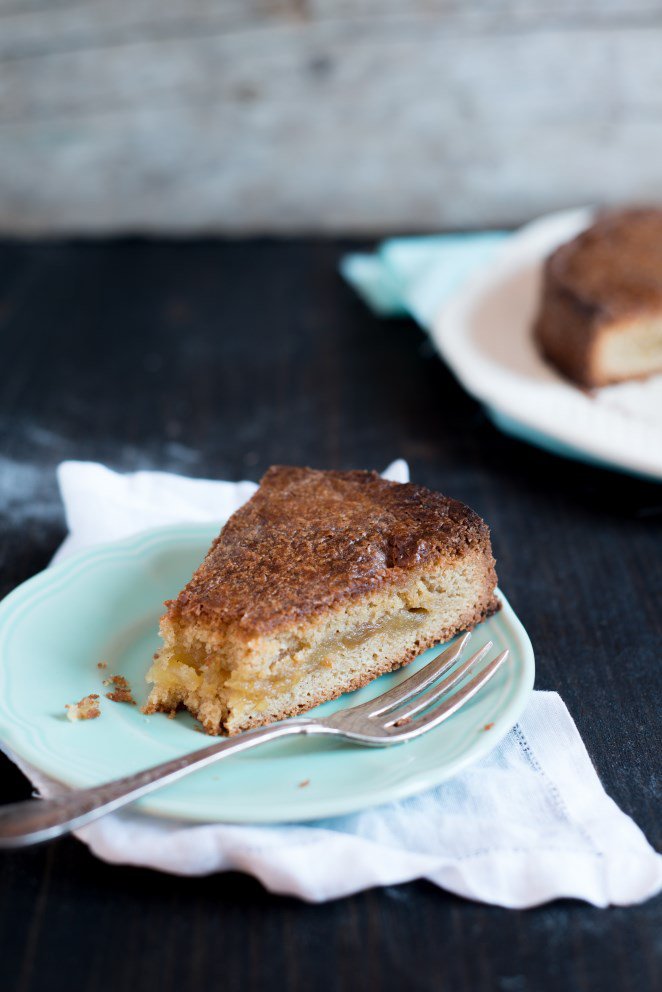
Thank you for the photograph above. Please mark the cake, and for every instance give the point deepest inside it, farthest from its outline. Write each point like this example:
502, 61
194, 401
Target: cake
320, 583
600, 316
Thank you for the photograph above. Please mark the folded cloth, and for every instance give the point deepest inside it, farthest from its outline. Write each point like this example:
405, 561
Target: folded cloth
415, 276
527, 824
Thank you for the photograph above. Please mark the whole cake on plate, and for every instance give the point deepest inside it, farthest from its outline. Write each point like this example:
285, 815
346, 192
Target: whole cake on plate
320, 583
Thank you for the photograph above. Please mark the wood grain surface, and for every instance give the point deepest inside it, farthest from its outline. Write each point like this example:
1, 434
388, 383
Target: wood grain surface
323, 115
216, 359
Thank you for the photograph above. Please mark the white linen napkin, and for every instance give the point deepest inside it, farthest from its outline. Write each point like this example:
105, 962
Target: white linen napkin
527, 824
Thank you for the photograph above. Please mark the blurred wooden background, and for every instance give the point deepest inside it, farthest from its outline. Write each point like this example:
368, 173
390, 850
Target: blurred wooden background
323, 115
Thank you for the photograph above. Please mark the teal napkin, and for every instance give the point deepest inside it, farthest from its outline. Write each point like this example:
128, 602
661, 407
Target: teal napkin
413, 276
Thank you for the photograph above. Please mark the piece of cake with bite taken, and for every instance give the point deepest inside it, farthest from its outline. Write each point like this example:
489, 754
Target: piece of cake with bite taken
318, 584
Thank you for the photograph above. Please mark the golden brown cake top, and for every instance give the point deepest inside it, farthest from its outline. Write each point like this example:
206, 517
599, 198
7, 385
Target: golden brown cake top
308, 540
614, 267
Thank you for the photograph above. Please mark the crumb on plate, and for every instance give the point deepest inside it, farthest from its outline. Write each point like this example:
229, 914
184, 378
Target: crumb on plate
86, 708
102, 664
488, 726
122, 690
302, 785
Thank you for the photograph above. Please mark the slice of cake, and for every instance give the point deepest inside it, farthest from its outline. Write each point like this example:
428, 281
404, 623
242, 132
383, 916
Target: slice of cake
600, 318
320, 583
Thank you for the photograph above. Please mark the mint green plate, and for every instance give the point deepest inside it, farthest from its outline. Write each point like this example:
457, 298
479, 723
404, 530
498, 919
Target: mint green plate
104, 605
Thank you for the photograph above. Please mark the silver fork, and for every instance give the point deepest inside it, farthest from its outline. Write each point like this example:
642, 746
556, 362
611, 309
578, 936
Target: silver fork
413, 707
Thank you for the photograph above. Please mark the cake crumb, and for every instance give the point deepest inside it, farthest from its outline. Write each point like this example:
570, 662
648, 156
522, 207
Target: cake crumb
488, 726
403, 722
172, 714
122, 690
302, 785
86, 708
102, 664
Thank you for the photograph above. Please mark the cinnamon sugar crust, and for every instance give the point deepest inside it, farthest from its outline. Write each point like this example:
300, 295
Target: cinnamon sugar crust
613, 269
309, 540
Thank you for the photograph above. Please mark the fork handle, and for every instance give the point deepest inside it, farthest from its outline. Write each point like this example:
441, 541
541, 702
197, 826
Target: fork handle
42, 819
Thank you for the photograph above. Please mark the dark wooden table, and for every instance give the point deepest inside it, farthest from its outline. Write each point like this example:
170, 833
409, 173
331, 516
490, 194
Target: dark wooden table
217, 359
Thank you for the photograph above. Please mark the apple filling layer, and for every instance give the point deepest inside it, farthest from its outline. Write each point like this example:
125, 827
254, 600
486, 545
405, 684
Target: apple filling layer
183, 673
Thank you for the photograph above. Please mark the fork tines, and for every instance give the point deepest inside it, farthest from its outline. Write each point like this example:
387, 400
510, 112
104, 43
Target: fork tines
425, 699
